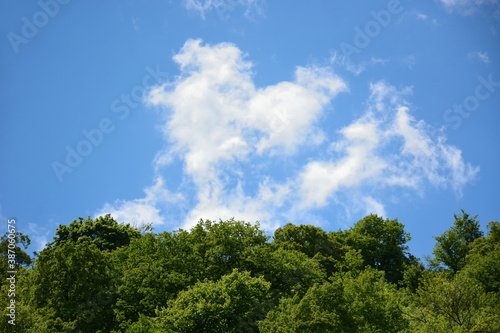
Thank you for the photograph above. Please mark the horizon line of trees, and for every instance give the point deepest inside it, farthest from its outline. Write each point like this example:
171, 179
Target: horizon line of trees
228, 276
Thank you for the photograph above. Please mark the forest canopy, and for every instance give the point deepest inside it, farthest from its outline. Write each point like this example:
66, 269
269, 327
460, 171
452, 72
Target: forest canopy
98, 275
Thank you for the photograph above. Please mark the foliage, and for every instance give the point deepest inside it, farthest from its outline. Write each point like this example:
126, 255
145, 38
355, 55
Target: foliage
452, 304
310, 240
347, 303
105, 232
382, 244
454, 244
483, 261
228, 276
153, 269
73, 288
233, 304
222, 246
290, 272
22, 259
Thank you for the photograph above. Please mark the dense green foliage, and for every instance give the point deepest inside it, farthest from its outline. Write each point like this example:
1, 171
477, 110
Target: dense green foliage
228, 276
454, 244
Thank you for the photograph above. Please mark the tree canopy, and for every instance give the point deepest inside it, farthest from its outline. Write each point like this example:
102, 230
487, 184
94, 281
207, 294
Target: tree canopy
230, 276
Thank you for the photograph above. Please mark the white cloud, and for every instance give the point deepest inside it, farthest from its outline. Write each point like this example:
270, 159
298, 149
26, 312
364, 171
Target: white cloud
143, 210
263, 207
372, 206
215, 113
215, 117
227, 132
385, 148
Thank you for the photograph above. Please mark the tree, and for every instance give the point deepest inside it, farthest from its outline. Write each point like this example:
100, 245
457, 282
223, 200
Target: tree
382, 244
347, 303
290, 272
72, 288
11, 241
452, 304
105, 232
156, 267
455, 243
222, 245
153, 269
233, 304
310, 240
483, 261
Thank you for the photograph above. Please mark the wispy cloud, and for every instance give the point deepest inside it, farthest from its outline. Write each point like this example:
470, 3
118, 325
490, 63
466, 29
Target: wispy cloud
469, 7
481, 56
337, 59
223, 8
386, 147
410, 61
421, 16
135, 24
39, 236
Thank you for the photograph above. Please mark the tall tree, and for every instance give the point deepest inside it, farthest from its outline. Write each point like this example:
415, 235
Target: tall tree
453, 246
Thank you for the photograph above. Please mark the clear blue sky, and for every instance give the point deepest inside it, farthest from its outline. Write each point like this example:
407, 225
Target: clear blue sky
313, 112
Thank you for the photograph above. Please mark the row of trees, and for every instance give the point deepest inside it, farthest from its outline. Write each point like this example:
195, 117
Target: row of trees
228, 276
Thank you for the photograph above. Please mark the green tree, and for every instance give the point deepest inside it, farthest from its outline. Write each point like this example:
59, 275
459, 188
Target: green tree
455, 243
483, 261
347, 303
222, 245
153, 269
233, 304
290, 272
14, 258
72, 289
382, 244
310, 240
105, 232
156, 267
11, 241
452, 304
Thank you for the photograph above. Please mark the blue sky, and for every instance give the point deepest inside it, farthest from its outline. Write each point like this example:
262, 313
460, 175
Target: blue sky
316, 112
